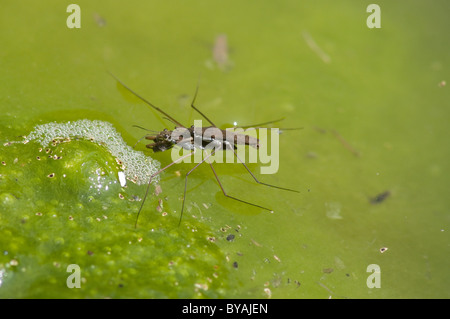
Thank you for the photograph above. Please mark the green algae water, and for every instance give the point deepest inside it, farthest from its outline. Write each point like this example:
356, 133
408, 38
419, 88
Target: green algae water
371, 161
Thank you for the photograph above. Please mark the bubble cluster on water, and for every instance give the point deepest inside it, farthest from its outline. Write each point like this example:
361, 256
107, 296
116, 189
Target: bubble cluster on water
137, 167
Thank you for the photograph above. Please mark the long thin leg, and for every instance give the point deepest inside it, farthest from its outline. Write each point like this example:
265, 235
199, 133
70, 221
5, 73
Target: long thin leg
201, 113
254, 177
229, 196
151, 178
146, 101
261, 124
185, 182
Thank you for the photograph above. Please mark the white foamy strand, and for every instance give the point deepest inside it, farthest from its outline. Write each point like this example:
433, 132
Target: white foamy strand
137, 167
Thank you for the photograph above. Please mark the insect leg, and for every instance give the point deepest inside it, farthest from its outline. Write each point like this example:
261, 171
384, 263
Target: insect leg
186, 180
254, 177
151, 178
195, 108
229, 196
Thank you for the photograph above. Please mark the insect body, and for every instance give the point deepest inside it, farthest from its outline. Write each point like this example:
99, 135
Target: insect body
198, 138
208, 136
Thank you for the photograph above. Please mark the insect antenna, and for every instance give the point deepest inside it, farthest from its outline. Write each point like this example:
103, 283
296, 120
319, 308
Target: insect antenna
145, 129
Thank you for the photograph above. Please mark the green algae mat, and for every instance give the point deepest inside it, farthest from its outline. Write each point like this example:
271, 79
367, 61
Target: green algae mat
367, 88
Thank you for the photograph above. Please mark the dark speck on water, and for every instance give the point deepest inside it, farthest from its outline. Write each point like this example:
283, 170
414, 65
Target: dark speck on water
380, 198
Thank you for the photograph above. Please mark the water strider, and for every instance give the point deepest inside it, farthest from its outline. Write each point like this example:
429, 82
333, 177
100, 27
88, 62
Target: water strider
198, 138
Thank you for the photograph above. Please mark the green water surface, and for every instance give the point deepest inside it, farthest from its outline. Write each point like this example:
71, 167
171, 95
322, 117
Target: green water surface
373, 105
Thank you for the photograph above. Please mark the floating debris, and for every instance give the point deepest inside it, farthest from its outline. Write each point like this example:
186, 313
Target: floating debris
101, 22
159, 208
158, 190
254, 242
230, 237
345, 143
333, 210
327, 270
380, 198
122, 179
221, 52
315, 48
